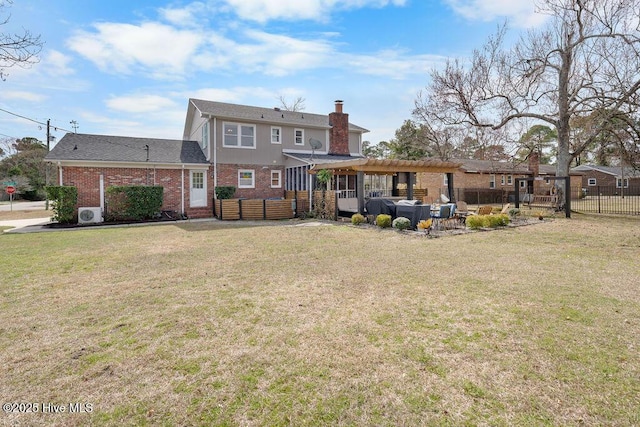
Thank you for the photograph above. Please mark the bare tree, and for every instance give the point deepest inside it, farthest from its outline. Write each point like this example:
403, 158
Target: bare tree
295, 106
17, 49
587, 58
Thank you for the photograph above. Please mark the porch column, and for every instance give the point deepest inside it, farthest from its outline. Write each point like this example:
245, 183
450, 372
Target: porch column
360, 191
452, 196
409, 185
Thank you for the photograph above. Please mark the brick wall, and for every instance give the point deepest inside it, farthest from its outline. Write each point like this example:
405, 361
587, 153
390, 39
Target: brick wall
228, 175
339, 133
87, 180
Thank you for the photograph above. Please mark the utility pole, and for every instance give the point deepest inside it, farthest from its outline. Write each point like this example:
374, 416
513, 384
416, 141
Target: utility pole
46, 165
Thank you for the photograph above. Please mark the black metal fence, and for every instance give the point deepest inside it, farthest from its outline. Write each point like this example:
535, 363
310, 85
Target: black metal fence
607, 200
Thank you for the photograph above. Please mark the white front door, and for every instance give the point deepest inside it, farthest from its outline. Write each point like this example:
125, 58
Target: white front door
198, 190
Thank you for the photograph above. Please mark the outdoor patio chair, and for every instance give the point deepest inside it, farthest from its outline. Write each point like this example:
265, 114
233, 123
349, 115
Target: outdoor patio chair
484, 210
462, 211
442, 215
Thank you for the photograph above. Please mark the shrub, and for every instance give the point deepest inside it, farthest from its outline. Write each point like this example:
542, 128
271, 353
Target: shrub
357, 219
477, 221
425, 224
499, 220
225, 192
513, 212
383, 221
401, 223
133, 202
64, 200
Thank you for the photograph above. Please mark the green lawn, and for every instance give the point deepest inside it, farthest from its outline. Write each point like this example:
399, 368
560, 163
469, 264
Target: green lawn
203, 324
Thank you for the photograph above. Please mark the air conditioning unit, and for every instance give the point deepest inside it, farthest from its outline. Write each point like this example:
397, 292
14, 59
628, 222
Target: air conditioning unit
89, 215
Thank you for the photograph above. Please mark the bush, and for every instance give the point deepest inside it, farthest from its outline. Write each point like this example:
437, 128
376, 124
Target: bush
401, 223
487, 221
357, 219
477, 221
225, 192
383, 221
513, 212
63, 201
133, 202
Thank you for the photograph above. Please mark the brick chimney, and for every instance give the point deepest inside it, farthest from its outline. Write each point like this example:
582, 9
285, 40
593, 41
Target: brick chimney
339, 133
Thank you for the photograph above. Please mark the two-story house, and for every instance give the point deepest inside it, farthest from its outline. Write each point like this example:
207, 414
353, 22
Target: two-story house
265, 151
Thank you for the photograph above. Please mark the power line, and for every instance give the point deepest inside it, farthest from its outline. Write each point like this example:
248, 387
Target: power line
34, 120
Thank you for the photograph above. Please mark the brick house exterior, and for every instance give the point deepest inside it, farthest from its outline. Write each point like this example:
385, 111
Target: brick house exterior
482, 178
613, 178
264, 152
92, 163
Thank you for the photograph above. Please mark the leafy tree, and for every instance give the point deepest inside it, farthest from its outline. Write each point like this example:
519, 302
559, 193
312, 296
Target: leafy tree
538, 138
26, 166
585, 59
16, 49
381, 150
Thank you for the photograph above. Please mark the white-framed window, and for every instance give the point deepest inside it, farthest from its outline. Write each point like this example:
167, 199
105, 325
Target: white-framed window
445, 180
239, 135
197, 180
246, 178
492, 181
205, 135
298, 135
276, 179
503, 180
523, 184
276, 133
619, 183
591, 182
509, 179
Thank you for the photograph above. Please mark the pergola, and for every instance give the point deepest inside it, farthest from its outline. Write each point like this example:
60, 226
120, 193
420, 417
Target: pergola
361, 166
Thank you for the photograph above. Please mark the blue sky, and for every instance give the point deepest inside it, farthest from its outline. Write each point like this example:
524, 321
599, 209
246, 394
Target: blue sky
129, 67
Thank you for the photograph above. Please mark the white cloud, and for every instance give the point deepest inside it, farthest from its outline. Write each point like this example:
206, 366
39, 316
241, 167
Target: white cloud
23, 96
187, 16
57, 63
319, 10
521, 12
161, 49
140, 103
393, 63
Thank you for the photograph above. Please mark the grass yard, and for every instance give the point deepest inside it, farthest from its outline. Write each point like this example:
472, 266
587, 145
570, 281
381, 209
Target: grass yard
330, 325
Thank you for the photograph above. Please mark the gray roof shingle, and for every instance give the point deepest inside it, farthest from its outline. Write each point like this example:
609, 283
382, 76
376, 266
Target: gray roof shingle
107, 148
267, 115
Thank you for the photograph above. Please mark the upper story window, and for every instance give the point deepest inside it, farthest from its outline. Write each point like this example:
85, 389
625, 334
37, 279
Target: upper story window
239, 135
299, 136
492, 181
503, 180
276, 133
205, 135
509, 179
591, 182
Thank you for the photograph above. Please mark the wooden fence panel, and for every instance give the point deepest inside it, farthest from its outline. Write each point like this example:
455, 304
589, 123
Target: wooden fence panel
279, 209
252, 209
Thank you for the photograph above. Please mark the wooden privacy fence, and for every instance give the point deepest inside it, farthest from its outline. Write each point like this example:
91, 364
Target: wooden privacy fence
254, 209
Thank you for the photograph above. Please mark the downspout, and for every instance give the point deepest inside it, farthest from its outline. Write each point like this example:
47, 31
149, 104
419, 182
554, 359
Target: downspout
215, 155
182, 191
102, 193
60, 173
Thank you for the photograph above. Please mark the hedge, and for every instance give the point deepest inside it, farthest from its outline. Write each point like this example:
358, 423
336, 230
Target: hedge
133, 202
63, 202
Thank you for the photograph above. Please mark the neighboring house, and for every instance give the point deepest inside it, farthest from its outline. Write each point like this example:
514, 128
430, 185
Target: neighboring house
487, 179
264, 152
94, 162
612, 177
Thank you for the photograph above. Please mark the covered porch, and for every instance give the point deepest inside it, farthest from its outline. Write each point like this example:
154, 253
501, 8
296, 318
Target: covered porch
357, 180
